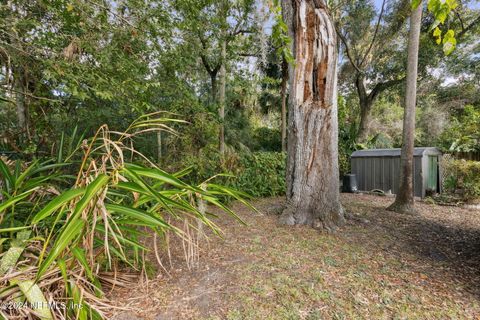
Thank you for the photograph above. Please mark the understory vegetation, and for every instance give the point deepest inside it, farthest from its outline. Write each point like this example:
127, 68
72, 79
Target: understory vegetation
69, 226
463, 178
259, 174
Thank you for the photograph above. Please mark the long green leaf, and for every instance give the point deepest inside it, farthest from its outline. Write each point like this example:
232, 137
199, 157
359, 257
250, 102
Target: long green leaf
25, 173
4, 230
240, 196
60, 148
162, 176
124, 240
9, 260
131, 187
74, 224
36, 298
63, 270
138, 215
158, 196
5, 172
91, 191
10, 202
80, 311
80, 256
50, 166
56, 203
217, 203
71, 231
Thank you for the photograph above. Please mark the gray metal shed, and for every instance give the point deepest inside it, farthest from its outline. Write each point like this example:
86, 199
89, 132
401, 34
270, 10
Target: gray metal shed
380, 169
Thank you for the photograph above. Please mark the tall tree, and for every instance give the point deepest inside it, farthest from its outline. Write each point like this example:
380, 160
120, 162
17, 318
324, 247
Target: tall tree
404, 200
283, 97
220, 29
312, 166
373, 49
282, 43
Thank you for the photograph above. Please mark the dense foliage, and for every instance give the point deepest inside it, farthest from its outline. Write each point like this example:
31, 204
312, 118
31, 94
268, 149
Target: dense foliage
80, 229
463, 178
258, 174
463, 133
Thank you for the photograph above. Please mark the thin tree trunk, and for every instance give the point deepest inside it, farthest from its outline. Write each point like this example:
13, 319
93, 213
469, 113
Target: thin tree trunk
20, 102
221, 99
159, 146
365, 109
313, 196
366, 102
213, 84
283, 94
404, 201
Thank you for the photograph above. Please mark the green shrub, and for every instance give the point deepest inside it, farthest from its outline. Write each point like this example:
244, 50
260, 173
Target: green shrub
463, 134
262, 174
464, 176
266, 139
259, 174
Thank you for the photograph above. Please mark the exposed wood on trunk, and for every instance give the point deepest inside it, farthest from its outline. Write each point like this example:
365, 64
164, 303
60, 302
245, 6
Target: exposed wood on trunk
404, 200
312, 168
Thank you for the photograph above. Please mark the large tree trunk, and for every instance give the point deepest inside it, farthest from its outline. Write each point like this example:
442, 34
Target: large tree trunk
313, 196
365, 112
221, 99
283, 94
404, 201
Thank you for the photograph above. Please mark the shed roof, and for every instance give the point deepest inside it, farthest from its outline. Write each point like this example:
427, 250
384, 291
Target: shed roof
394, 152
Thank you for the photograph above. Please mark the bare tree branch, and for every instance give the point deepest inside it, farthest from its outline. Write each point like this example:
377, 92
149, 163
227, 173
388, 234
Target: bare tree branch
347, 49
374, 35
470, 26
382, 86
210, 69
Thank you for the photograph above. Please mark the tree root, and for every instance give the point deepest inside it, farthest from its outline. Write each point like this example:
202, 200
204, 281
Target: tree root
403, 208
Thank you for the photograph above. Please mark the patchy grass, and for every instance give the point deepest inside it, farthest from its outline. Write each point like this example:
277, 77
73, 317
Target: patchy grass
381, 265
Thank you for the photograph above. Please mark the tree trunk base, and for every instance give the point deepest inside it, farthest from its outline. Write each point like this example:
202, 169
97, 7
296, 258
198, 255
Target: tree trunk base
324, 221
404, 208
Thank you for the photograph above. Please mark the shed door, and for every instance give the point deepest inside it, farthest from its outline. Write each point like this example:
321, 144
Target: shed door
432, 173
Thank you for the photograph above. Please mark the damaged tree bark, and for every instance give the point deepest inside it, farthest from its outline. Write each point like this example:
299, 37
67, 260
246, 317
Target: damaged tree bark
313, 196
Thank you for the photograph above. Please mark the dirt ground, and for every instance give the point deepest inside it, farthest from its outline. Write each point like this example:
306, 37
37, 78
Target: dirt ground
381, 265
